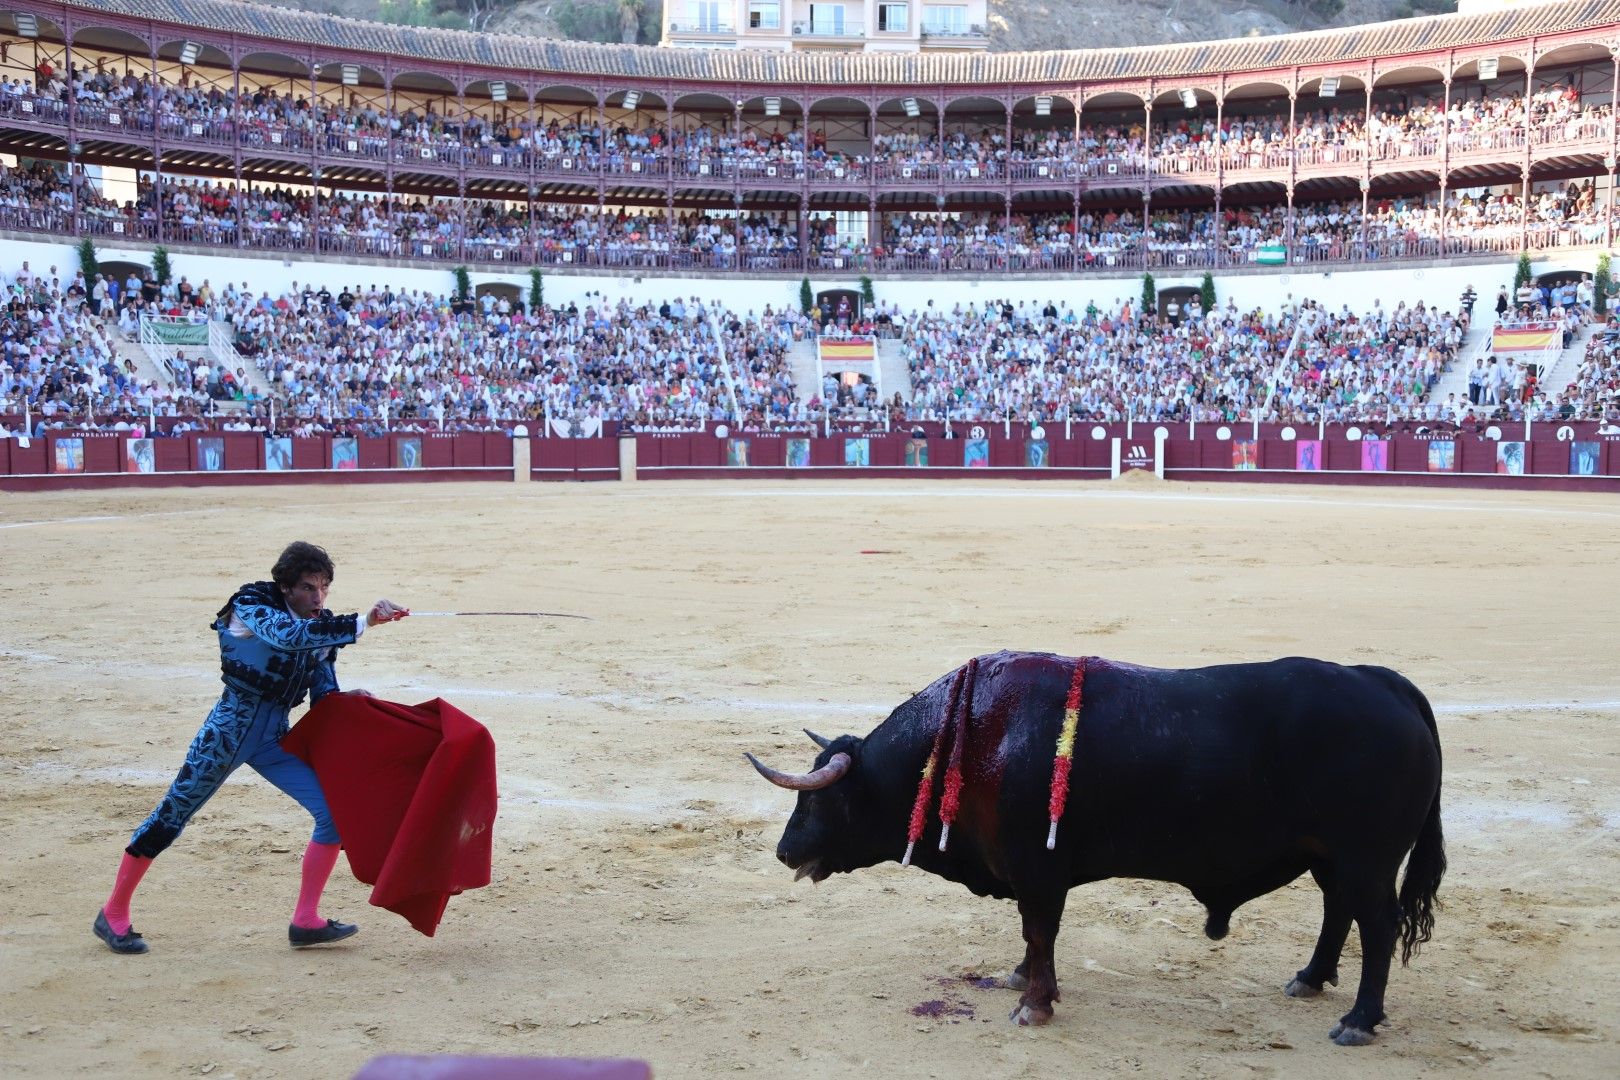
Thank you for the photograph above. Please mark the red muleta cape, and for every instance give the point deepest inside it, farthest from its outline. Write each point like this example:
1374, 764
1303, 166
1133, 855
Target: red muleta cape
412, 791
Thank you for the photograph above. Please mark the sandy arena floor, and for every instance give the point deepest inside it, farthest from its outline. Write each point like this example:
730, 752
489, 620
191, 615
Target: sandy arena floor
638, 909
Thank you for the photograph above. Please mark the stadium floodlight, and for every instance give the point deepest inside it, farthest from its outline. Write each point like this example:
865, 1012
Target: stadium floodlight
1487, 68
189, 51
497, 91
351, 74
27, 25
773, 106
632, 99
1043, 105
1329, 87
912, 108
1189, 98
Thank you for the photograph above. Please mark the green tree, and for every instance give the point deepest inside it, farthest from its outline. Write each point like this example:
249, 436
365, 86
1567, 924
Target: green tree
1602, 285
807, 298
1150, 295
537, 289
1522, 273
868, 294
162, 271
1207, 291
463, 282
89, 265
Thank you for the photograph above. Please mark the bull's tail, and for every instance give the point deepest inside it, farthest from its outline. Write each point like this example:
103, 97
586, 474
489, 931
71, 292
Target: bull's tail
1425, 867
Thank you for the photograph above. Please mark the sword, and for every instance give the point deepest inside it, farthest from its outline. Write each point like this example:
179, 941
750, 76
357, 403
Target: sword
488, 614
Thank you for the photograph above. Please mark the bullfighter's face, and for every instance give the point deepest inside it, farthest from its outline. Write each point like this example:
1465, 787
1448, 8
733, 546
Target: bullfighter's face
307, 597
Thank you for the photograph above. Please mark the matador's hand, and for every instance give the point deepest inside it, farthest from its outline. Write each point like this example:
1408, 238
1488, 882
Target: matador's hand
385, 611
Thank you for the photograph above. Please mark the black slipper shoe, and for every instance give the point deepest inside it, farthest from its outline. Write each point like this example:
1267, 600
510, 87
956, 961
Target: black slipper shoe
301, 936
129, 943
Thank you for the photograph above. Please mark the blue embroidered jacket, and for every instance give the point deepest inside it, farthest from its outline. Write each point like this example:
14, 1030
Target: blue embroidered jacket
284, 657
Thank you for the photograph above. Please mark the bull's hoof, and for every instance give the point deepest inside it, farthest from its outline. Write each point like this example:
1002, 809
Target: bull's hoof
1030, 1015
1015, 980
1298, 989
1350, 1036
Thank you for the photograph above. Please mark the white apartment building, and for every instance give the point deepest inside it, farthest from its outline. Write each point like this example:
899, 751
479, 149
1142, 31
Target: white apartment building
852, 25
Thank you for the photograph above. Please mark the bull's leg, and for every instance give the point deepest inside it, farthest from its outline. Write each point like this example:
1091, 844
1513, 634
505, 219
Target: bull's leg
1324, 963
1041, 915
1377, 914
1019, 979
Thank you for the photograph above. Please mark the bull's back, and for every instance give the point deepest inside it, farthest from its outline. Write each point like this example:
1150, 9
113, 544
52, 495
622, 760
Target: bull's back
1210, 773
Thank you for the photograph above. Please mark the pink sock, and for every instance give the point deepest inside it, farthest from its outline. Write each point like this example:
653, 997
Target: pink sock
318, 862
130, 872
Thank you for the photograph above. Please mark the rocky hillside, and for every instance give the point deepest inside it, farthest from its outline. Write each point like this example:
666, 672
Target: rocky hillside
1014, 24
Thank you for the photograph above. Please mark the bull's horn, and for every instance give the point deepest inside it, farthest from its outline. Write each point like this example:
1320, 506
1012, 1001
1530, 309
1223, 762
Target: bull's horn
825, 776
820, 740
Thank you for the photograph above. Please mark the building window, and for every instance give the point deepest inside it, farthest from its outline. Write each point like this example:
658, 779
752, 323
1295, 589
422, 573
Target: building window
704, 16
827, 18
764, 15
893, 17
945, 19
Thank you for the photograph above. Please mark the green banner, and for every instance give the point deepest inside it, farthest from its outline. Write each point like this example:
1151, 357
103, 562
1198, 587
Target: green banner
1271, 255
177, 333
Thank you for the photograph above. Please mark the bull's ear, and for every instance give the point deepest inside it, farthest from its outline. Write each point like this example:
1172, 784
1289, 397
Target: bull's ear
819, 740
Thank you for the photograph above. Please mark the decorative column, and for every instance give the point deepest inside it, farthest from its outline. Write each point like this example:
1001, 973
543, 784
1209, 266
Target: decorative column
157, 153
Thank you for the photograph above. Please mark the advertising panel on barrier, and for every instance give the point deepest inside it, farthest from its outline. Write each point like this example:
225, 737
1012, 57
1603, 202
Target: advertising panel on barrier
976, 454
798, 453
1374, 455
1510, 458
278, 454
1245, 454
211, 454
68, 455
916, 453
857, 452
1442, 455
737, 453
408, 452
1584, 458
139, 456
345, 453
1308, 455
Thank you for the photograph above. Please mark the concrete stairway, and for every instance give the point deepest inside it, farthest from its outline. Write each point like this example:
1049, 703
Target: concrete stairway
894, 377
802, 360
1476, 345
1561, 372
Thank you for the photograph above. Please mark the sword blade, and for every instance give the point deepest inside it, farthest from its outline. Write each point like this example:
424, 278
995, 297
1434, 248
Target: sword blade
496, 614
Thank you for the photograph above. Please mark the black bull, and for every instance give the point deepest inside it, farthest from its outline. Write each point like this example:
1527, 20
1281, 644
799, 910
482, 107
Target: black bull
1231, 780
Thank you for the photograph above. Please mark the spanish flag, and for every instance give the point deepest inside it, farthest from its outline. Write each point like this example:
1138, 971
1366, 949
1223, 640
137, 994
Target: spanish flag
1525, 339
857, 350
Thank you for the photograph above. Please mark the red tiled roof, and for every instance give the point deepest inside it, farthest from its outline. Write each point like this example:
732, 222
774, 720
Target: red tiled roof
517, 55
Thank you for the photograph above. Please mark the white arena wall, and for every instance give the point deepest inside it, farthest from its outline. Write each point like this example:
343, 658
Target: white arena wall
1433, 284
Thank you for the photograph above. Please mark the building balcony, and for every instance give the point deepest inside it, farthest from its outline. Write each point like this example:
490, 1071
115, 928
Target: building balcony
830, 31
972, 36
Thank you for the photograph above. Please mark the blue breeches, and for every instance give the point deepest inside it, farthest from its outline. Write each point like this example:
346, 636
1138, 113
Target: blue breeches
236, 733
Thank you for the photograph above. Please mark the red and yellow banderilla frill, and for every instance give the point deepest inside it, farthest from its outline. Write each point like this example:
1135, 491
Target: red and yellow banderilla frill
1065, 752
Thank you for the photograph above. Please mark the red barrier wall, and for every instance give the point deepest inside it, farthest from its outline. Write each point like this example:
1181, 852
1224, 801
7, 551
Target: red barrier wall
101, 459
1511, 456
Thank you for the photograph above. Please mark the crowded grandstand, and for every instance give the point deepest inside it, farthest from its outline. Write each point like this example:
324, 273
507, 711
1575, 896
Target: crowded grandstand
1457, 139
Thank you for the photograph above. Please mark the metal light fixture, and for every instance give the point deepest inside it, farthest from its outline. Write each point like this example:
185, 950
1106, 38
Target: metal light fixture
189, 51
911, 106
351, 74
1043, 105
27, 25
632, 99
773, 106
1329, 87
497, 91
1487, 68
1189, 98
